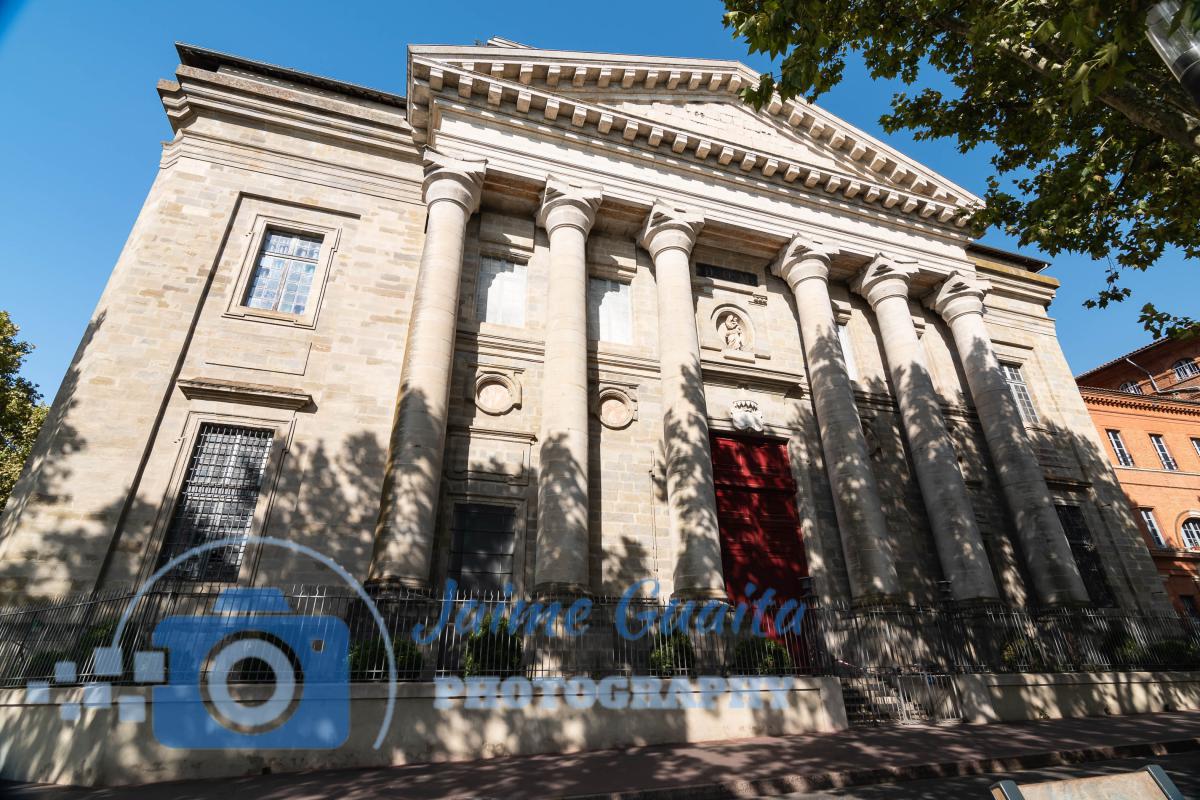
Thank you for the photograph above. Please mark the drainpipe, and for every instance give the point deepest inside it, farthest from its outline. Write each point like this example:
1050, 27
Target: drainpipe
1153, 384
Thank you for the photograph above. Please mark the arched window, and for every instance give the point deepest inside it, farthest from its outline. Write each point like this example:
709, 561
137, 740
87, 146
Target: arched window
1185, 368
1191, 533
1129, 387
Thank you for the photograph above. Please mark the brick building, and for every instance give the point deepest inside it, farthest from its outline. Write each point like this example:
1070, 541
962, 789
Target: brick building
1146, 404
538, 322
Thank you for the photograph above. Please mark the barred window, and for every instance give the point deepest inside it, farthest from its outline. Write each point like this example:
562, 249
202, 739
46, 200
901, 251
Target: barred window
609, 311
1087, 557
726, 274
1129, 387
1185, 368
284, 274
217, 501
1152, 526
1164, 455
482, 540
500, 294
1020, 393
1119, 450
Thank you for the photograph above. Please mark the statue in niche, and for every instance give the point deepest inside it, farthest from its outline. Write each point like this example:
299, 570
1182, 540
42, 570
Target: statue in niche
732, 332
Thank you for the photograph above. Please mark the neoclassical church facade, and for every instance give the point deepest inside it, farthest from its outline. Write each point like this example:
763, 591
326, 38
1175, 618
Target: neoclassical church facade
566, 321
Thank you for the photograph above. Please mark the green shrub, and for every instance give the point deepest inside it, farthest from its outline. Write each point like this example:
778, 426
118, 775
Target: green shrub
368, 658
674, 656
761, 657
1170, 653
487, 652
1021, 654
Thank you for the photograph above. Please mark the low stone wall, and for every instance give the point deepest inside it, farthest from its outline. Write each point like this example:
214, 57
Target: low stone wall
1032, 696
98, 750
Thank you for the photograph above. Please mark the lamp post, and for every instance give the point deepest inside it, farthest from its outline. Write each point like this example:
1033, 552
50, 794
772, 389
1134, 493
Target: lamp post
1178, 47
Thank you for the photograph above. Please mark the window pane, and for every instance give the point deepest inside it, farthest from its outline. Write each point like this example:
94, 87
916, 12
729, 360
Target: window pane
1191, 533
1118, 446
1185, 368
843, 332
1152, 526
1164, 455
217, 501
610, 317
1131, 388
283, 277
1020, 393
500, 295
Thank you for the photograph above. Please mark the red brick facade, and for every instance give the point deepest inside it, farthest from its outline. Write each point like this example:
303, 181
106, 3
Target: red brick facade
1147, 404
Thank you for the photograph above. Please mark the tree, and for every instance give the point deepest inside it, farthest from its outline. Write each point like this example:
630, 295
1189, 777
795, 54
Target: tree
21, 413
1097, 145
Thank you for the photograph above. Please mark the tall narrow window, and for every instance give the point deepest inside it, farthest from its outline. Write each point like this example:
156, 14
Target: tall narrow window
284, 273
1152, 526
1196, 446
1185, 368
1164, 455
843, 333
1118, 446
1087, 557
609, 310
500, 295
1020, 393
217, 501
1191, 534
482, 540
1129, 387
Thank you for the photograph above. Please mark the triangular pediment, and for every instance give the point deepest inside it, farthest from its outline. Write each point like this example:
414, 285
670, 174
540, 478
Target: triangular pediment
692, 107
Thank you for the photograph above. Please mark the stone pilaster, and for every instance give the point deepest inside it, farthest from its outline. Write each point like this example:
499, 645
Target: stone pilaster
866, 541
959, 300
405, 534
567, 214
669, 235
885, 283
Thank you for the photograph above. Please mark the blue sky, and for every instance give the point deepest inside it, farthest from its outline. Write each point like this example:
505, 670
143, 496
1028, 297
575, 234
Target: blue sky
83, 126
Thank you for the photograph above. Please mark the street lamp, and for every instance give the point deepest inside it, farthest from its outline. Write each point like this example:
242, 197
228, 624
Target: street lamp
1178, 48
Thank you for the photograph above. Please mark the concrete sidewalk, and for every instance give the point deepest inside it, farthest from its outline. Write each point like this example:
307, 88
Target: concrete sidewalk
729, 769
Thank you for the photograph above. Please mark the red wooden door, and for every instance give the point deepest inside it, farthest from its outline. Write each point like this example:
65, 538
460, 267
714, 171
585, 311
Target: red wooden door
760, 527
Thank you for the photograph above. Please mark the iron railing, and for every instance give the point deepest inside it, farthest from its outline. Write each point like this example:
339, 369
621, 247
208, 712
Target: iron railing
849, 643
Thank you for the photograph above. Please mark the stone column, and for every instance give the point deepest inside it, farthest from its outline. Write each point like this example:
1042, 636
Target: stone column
567, 214
668, 235
866, 541
405, 533
1044, 546
884, 283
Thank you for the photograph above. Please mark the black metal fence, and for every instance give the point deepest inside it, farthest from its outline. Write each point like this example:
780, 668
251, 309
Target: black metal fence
495, 635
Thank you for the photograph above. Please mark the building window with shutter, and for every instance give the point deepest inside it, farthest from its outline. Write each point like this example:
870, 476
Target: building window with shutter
609, 311
500, 293
283, 274
1164, 455
1119, 450
482, 542
1152, 527
1020, 393
217, 500
1087, 557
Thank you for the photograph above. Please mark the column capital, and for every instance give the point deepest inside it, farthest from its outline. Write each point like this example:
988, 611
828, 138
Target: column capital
566, 203
961, 293
454, 179
884, 277
668, 227
803, 258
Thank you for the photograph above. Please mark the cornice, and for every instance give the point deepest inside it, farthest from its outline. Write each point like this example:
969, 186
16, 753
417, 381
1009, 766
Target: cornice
563, 71
434, 78
1117, 399
198, 90
245, 393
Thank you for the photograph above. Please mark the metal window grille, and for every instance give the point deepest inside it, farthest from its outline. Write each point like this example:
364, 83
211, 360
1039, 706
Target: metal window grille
1164, 455
1185, 368
217, 501
1152, 526
483, 538
1191, 534
1020, 393
1118, 446
284, 274
726, 274
1087, 557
